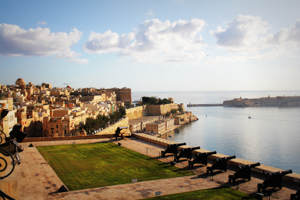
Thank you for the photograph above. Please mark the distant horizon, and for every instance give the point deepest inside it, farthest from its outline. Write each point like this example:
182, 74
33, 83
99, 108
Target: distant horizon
224, 91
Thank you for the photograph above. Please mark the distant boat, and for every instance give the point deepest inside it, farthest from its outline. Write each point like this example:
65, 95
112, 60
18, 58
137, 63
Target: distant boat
249, 117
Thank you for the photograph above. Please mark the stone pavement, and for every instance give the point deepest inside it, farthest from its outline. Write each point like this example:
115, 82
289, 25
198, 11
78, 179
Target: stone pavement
37, 180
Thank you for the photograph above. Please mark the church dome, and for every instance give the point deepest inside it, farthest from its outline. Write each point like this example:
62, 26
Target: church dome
20, 82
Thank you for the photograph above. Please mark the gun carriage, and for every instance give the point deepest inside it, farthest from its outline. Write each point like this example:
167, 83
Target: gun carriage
273, 179
219, 163
242, 171
185, 153
295, 196
172, 148
200, 158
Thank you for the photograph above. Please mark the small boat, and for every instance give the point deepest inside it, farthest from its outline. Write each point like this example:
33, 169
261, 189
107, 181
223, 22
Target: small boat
249, 117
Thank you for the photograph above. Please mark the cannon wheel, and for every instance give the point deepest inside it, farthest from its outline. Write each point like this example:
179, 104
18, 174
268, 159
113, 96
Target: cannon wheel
3, 163
163, 154
229, 180
249, 178
191, 165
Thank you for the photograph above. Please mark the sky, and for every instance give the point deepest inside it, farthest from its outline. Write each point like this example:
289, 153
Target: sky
153, 45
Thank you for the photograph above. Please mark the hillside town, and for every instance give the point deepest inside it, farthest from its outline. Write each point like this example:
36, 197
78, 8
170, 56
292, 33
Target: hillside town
46, 111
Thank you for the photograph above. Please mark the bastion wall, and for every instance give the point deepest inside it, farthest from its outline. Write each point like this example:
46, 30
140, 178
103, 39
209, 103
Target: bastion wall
152, 110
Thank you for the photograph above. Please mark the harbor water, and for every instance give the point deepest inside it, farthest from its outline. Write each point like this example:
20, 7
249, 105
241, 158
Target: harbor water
270, 136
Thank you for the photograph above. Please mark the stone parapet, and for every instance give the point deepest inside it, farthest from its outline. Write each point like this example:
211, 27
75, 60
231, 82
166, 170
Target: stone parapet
293, 177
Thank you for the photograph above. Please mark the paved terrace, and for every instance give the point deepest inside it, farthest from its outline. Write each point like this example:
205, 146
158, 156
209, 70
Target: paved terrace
37, 179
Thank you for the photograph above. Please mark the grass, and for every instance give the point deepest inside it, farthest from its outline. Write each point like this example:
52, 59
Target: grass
209, 194
82, 166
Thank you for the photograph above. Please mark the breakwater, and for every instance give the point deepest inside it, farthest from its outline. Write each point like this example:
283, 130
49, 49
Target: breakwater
199, 105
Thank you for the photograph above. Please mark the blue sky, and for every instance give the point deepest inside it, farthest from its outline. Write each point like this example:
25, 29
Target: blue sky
152, 45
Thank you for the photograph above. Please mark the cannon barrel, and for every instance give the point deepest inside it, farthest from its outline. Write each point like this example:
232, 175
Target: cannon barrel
250, 166
225, 158
282, 173
254, 165
180, 144
194, 148
123, 127
210, 153
230, 157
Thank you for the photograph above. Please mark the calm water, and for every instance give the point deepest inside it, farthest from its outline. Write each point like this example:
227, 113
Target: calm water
270, 137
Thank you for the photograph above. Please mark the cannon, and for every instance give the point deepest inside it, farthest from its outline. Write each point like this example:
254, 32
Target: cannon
172, 148
273, 179
200, 158
118, 132
219, 163
242, 171
185, 153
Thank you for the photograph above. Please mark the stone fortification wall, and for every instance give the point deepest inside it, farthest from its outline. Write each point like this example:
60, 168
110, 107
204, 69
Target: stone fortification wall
151, 110
95, 98
162, 109
112, 128
168, 107
137, 112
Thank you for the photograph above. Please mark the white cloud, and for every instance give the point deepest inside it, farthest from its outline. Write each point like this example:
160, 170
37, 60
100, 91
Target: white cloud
248, 37
286, 36
15, 41
153, 41
242, 34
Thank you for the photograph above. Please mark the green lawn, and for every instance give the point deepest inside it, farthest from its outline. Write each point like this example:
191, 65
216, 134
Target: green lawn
82, 166
210, 194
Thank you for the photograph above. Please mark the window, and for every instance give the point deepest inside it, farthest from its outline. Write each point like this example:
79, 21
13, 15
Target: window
56, 126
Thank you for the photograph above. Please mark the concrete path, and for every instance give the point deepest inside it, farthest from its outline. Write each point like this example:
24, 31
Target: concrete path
37, 180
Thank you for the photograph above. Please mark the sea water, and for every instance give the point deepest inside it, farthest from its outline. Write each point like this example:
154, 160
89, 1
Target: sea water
270, 136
